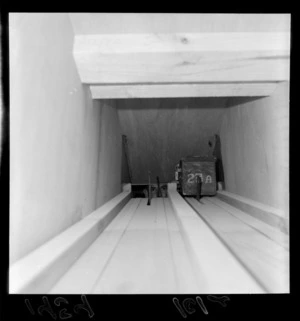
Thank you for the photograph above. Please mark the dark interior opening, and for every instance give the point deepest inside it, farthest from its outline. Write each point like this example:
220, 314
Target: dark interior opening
141, 190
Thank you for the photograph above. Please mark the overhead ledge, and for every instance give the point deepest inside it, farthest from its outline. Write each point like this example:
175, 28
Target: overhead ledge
182, 90
176, 57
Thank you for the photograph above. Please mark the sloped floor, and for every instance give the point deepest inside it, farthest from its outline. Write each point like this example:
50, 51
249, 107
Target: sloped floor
260, 248
143, 251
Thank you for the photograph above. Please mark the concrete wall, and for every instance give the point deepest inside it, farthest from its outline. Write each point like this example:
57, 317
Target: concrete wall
254, 137
54, 133
110, 156
161, 131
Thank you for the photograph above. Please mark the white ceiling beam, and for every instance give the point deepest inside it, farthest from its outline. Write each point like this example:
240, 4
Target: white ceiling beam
182, 90
191, 57
182, 42
114, 23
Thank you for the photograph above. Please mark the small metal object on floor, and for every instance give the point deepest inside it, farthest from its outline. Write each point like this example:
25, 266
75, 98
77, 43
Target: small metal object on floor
199, 185
158, 187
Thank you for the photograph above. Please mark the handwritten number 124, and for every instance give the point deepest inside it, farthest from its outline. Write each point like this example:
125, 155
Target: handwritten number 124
63, 314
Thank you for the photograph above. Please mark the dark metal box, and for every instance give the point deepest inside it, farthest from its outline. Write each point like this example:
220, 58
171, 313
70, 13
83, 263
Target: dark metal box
194, 166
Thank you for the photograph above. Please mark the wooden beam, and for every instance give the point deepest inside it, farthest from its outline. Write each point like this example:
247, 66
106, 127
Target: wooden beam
190, 57
267, 214
87, 269
269, 231
207, 252
267, 261
182, 42
143, 254
182, 90
114, 23
40, 270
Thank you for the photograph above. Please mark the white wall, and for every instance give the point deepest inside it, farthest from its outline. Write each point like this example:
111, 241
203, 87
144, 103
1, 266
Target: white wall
54, 133
254, 137
110, 156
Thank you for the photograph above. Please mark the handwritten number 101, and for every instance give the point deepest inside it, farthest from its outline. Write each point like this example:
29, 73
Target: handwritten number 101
188, 303
63, 314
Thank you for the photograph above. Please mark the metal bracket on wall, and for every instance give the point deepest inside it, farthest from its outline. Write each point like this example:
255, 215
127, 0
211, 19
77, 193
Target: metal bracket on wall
125, 144
149, 190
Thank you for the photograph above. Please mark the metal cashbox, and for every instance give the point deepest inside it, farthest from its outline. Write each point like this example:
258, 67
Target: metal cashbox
189, 168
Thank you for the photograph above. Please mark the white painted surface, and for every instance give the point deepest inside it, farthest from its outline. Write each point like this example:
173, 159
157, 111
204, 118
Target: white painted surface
87, 268
218, 270
182, 90
268, 214
54, 134
255, 148
112, 23
110, 154
40, 269
176, 67
254, 49
141, 251
143, 262
260, 206
267, 261
181, 42
167, 248
269, 231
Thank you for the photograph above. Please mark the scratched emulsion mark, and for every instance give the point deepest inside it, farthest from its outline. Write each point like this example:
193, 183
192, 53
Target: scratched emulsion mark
188, 305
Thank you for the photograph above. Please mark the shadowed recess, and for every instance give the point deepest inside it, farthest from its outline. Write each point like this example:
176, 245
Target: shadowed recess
162, 131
